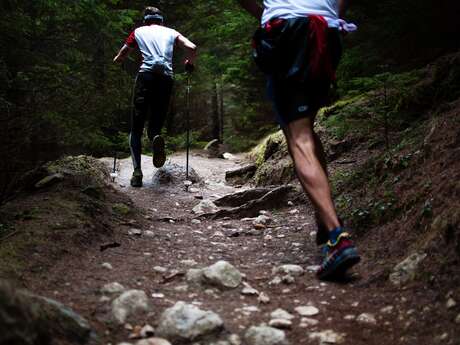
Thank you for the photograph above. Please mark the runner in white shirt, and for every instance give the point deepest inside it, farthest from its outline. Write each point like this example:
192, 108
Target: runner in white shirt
298, 46
152, 91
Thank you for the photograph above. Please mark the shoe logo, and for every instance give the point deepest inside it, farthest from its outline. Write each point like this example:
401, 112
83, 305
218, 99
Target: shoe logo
302, 108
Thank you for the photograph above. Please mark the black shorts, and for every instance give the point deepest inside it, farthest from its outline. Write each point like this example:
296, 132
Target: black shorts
295, 100
283, 54
152, 94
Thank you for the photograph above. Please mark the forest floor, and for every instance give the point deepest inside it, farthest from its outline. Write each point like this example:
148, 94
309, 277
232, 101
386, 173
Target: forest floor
357, 311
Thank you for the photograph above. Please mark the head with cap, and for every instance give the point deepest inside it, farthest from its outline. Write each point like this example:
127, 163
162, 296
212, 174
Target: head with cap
153, 15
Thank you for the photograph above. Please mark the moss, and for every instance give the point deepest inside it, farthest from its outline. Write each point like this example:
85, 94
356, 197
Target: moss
267, 147
83, 170
121, 209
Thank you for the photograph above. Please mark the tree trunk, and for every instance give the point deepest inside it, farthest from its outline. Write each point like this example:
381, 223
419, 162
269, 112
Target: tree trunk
215, 123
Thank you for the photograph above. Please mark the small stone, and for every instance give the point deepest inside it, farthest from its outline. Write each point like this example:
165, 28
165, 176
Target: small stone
249, 291
281, 314
280, 323
444, 336
264, 335
290, 203
366, 318
262, 220
181, 288
387, 310
457, 319
349, 317
450, 304
153, 341
160, 269
234, 339
107, 266
406, 270
222, 274
196, 221
189, 262
307, 311
275, 281
293, 270
294, 211
251, 309
263, 298
135, 232
308, 321
268, 237
112, 288
129, 303
158, 295
327, 337
149, 233
185, 323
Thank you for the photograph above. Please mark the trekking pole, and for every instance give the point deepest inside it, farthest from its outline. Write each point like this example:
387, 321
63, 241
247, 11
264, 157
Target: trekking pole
114, 173
188, 69
188, 125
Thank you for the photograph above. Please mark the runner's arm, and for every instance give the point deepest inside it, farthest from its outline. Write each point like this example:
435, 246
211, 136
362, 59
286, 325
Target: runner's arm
122, 54
343, 6
189, 47
252, 7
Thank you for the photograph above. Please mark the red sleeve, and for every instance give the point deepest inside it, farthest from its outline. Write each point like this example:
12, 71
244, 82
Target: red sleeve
131, 40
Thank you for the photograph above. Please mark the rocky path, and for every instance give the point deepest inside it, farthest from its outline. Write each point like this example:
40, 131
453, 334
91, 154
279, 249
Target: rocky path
228, 281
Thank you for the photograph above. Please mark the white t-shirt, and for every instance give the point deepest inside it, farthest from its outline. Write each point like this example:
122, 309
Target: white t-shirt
286, 9
156, 43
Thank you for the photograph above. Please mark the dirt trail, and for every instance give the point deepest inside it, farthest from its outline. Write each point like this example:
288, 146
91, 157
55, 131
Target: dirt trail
178, 244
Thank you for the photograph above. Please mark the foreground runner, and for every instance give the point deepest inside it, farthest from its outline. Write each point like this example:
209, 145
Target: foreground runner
153, 87
299, 46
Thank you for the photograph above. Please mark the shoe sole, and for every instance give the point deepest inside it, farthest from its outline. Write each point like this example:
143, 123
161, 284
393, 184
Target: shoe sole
344, 262
159, 154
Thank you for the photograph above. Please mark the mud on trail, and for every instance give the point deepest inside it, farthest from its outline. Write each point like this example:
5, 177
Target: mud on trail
172, 240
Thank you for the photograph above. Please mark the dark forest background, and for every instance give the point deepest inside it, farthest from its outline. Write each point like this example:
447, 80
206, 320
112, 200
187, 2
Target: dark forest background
60, 93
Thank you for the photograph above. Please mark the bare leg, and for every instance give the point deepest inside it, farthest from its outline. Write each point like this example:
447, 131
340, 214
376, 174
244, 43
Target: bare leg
306, 151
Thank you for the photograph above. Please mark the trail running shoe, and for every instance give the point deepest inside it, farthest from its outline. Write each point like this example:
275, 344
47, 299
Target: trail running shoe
340, 256
159, 153
136, 179
322, 234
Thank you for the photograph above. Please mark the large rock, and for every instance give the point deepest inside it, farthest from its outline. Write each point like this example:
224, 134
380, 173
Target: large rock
274, 166
174, 174
406, 270
185, 322
264, 335
223, 275
129, 304
32, 320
